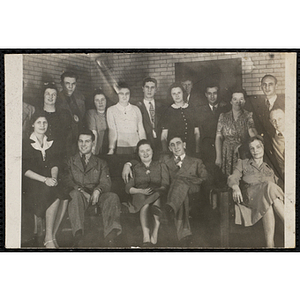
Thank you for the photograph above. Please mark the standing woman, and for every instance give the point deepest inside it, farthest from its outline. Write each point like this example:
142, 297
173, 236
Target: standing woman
234, 129
40, 168
59, 119
180, 121
96, 122
125, 124
148, 183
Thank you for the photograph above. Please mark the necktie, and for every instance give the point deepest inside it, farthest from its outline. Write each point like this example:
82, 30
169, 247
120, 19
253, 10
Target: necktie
177, 160
83, 161
214, 109
152, 114
268, 104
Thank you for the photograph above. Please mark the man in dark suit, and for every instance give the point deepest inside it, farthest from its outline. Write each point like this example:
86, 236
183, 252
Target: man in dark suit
186, 175
87, 182
152, 112
192, 98
261, 107
208, 121
74, 102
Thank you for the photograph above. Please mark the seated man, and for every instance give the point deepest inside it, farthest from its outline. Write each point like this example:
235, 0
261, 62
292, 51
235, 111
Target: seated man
187, 174
87, 181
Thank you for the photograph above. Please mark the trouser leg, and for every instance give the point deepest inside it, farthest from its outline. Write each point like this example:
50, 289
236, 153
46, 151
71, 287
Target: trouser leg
182, 222
111, 209
76, 210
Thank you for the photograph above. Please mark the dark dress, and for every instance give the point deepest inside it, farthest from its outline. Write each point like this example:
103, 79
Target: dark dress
59, 127
37, 194
181, 122
235, 134
156, 176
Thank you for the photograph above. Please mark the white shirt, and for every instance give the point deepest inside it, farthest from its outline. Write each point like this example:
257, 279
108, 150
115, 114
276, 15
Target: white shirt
179, 164
272, 101
147, 104
212, 106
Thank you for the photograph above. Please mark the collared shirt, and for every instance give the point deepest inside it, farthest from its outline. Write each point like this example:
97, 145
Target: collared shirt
272, 101
124, 109
213, 106
179, 164
147, 104
87, 157
280, 133
37, 146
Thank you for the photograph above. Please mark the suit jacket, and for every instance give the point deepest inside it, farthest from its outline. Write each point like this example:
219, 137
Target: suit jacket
159, 109
95, 176
261, 117
192, 171
207, 122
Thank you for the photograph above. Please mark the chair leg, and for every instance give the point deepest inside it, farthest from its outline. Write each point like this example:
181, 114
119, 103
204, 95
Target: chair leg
38, 226
225, 215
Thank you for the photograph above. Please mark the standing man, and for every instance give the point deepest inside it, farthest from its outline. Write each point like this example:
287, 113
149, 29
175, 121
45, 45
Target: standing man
208, 121
277, 119
187, 174
73, 101
192, 99
87, 182
151, 112
261, 108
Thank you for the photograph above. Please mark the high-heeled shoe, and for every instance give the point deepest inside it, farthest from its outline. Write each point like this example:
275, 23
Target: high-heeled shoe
48, 242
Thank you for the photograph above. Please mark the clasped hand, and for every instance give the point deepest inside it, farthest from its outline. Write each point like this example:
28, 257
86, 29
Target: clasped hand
51, 181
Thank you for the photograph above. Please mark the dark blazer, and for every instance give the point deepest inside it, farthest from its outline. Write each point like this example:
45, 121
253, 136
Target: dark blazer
207, 122
261, 117
95, 176
159, 109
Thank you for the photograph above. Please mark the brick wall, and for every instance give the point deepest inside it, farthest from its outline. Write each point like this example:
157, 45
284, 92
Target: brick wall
39, 68
133, 67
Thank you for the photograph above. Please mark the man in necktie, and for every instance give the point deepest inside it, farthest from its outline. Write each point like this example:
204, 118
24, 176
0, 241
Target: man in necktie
86, 179
261, 107
74, 102
152, 111
186, 175
277, 119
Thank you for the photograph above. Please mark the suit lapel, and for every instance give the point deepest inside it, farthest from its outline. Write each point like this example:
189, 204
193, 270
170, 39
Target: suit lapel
78, 163
145, 114
91, 164
186, 164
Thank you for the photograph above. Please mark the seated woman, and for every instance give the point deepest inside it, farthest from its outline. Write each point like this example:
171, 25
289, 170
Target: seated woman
234, 128
260, 196
125, 124
40, 168
180, 121
96, 122
149, 182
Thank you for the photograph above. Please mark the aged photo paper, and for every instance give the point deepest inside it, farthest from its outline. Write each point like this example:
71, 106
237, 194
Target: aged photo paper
202, 76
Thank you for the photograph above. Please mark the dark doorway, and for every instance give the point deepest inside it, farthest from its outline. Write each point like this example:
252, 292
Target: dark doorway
225, 72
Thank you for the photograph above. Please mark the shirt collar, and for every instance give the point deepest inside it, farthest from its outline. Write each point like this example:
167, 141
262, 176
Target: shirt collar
211, 106
87, 156
277, 132
272, 101
124, 108
36, 144
185, 105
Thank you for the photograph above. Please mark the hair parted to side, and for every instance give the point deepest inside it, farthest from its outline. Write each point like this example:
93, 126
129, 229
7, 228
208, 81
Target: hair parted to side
86, 131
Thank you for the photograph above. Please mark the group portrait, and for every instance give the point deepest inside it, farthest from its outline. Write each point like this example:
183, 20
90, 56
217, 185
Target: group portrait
156, 150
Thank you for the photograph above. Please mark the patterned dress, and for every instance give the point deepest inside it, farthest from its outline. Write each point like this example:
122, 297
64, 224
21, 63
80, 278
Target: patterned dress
235, 133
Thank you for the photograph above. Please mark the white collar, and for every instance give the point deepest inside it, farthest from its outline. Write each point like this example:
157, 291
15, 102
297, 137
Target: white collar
147, 101
185, 105
37, 146
87, 156
272, 101
181, 156
124, 108
277, 132
211, 106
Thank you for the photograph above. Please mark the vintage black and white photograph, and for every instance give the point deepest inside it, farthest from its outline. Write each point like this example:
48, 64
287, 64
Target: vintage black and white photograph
152, 150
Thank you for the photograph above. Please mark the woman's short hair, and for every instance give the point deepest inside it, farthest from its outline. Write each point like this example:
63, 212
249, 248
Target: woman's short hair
141, 143
49, 85
124, 85
177, 85
255, 138
239, 91
34, 117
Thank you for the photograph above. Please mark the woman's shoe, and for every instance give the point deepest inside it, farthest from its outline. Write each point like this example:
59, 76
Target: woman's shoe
48, 245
